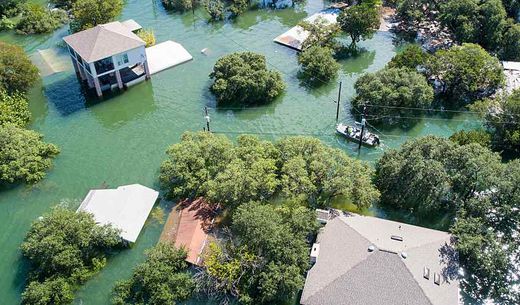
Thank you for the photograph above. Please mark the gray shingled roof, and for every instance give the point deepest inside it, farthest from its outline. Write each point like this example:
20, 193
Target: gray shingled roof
103, 41
347, 273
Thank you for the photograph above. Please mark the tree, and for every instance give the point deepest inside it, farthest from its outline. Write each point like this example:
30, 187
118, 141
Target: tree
8, 8
510, 49
359, 22
412, 56
161, 280
23, 155
501, 117
17, 72
14, 109
390, 93
492, 23
317, 65
243, 78
321, 34
266, 261
147, 36
64, 249
89, 13
180, 5
65, 4
215, 9
512, 7
317, 174
462, 18
38, 20
238, 7
52, 291
466, 73
464, 137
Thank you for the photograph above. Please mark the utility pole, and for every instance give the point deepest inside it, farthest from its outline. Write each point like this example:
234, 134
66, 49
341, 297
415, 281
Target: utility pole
339, 101
363, 123
207, 118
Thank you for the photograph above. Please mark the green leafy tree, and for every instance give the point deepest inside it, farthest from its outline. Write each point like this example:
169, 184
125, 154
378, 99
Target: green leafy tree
14, 109
9, 8
512, 7
55, 291
180, 5
462, 18
317, 65
215, 9
89, 13
64, 249
511, 42
321, 34
266, 261
17, 72
161, 280
492, 23
464, 137
238, 7
466, 73
413, 56
23, 155
412, 12
66, 4
317, 174
389, 93
359, 22
38, 20
243, 78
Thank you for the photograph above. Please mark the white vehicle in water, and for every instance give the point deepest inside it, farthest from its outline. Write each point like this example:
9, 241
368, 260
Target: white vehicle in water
353, 133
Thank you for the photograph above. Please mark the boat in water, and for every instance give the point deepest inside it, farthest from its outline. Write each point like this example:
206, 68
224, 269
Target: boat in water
353, 133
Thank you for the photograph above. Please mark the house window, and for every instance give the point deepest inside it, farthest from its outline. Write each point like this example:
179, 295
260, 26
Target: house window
104, 65
122, 59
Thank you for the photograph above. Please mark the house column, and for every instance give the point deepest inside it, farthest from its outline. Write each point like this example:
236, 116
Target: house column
90, 81
147, 69
119, 80
82, 72
98, 87
75, 65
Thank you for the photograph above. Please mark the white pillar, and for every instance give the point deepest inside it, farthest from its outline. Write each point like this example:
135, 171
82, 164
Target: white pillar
98, 87
119, 80
146, 69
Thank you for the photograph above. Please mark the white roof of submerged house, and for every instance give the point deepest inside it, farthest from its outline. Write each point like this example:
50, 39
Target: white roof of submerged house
367, 260
511, 65
105, 40
126, 208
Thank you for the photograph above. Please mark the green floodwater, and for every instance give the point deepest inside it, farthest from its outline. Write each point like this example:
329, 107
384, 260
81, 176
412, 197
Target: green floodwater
122, 139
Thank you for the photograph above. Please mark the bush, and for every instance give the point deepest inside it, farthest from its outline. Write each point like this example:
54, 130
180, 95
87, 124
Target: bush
14, 109
180, 5
238, 7
215, 9
17, 72
89, 13
148, 36
243, 78
23, 155
317, 65
389, 92
38, 20
464, 137
52, 291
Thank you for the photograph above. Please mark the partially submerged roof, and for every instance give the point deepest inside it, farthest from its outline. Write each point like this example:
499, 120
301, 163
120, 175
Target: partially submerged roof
132, 25
103, 41
348, 272
126, 208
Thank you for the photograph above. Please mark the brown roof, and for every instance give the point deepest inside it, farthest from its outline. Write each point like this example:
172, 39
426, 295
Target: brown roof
103, 41
346, 272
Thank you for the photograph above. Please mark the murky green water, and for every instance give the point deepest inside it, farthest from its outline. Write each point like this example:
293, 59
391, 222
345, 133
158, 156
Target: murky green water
122, 139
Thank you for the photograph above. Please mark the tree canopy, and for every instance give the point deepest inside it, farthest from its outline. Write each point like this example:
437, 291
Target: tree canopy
266, 259
23, 155
389, 93
89, 13
180, 5
17, 72
464, 137
242, 78
301, 168
412, 56
466, 73
14, 109
162, 279
36, 19
359, 22
64, 249
321, 34
317, 65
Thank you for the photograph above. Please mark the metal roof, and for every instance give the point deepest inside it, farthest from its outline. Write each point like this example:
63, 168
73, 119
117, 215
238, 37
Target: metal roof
103, 41
126, 208
347, 272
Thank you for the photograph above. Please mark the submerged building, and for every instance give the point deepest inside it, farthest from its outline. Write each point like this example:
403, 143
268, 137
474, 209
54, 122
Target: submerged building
361, 260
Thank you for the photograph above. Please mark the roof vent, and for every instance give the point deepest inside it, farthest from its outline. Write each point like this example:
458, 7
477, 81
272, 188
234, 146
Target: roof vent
404, 254
371, 248
315, 252
426, 273
397, 238
437, 278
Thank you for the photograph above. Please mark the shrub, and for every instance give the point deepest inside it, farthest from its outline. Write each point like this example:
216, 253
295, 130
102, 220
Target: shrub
243, 78
14, 109
38, 20
148, 36
17, 72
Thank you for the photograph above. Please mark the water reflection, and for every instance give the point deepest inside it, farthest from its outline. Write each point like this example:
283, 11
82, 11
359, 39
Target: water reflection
65, 92
358, 63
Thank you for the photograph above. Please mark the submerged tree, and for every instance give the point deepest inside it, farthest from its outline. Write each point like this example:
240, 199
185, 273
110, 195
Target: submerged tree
317, 65
243, 78
412, 57
321, 34
17, 72
89, 13
215, 9
161, 279
36, 19
359, 22
14, 109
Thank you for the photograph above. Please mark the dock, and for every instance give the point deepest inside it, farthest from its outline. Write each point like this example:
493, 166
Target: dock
295, 37
166, 55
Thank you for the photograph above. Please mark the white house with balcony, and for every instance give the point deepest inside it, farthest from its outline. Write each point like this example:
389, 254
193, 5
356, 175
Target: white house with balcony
109, 55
